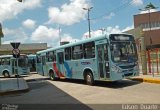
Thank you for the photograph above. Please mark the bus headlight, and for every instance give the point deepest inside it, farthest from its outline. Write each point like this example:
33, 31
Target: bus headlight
116, 69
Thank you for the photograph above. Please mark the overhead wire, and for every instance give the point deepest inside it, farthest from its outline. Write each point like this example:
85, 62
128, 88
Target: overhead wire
116, 10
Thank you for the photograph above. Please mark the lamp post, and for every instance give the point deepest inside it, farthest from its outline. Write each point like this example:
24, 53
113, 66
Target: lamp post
88, 10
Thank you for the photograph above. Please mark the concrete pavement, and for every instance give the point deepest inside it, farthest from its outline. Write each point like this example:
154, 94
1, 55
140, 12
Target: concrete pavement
13, 85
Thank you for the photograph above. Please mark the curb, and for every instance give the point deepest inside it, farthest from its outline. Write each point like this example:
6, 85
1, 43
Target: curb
149, 80
14, 92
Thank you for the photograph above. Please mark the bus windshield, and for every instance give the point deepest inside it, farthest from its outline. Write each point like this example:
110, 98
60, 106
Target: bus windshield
22, 62
123, 51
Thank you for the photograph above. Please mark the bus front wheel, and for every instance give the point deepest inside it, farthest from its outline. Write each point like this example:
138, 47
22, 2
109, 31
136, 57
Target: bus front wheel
89, 78
6, 74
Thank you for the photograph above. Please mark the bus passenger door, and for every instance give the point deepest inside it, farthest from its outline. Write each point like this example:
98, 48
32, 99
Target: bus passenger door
103, 63
60, 64
44, 72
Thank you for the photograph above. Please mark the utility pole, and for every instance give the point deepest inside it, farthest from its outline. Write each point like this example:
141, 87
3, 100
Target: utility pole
1, 34
88, 10
59, 34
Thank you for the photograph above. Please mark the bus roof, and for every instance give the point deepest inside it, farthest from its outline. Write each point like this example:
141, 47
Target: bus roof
4, 56
79, 42
72, 44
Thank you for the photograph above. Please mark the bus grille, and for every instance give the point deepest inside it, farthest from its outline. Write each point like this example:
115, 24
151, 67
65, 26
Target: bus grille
127, 67
128, 74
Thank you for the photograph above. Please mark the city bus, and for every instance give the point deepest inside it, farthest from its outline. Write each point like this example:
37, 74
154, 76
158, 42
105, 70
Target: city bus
108, 58
32, 62
9, 66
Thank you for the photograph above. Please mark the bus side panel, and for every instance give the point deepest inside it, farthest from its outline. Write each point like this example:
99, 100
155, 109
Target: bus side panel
49, 66
39, 68
75, 69
23, 71
7, 68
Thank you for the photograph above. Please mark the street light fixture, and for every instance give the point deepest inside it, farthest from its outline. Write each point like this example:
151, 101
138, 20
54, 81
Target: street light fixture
88, 10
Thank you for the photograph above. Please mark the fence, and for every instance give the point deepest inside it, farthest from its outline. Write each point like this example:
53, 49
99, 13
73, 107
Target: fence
153, 61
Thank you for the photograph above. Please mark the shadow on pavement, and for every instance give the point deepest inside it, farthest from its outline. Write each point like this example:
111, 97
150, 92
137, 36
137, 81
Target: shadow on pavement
43, 96
115, 84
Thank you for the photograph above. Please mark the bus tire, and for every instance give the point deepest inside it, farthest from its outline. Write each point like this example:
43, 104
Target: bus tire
6, 74
89, 78
51, 75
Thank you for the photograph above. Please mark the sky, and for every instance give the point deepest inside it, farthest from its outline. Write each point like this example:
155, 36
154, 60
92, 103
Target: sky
49, 21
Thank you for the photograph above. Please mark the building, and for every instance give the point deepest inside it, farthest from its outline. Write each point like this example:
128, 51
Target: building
150, 24
31, 48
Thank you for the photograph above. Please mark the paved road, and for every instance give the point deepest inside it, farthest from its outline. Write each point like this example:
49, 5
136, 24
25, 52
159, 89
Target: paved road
121, 92
77, 93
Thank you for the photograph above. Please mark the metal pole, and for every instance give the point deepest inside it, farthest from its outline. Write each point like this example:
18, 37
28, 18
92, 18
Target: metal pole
0, 41
89, 24
59, 35
17, 71
88, 10
143, 56
150, 41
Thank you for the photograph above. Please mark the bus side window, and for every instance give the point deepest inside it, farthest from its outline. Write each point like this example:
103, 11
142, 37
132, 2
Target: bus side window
7, 61
77, 52
47, 57
38, 59
89, 50
68, 53
61, 58
2, 61
54, 56
51, 56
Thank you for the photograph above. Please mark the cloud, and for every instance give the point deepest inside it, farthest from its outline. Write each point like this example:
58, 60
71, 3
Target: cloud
128, 28
137, 2
30, 24
68, 14
44, 34
108, 30
109, 16
50, 36
10, 8
14, 35
152, 10
47, 35
67, 37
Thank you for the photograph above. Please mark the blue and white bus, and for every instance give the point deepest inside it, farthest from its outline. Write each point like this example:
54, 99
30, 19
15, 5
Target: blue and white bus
107, 58
8, 65
32, 62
